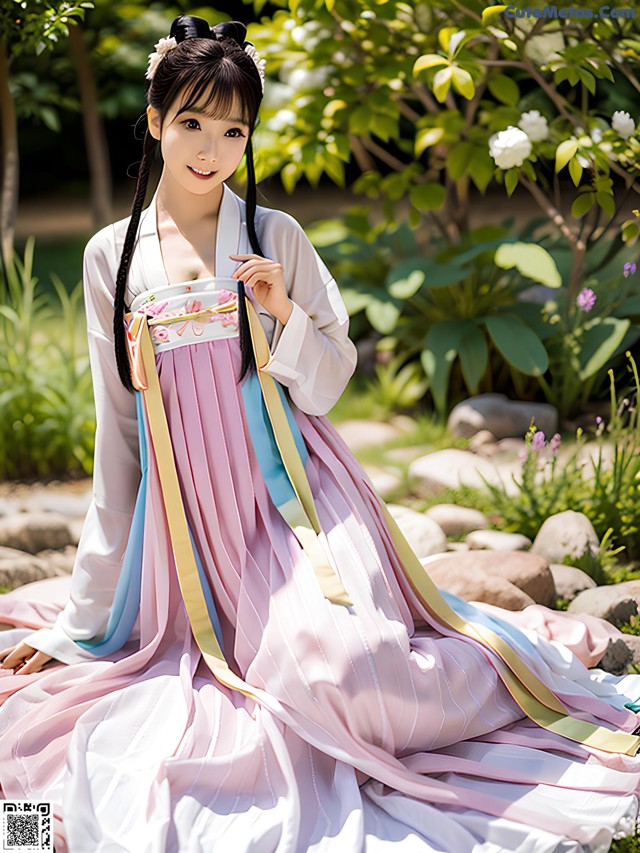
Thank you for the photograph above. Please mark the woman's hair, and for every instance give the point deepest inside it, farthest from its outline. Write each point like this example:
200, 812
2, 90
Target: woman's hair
205, 60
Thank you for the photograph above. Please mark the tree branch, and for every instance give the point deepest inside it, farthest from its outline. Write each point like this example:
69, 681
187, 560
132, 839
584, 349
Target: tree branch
551, 211
383, 155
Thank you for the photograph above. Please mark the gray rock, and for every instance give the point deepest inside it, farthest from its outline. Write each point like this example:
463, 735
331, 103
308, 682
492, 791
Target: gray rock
482, 441
632, 642
501, 416
361, 434
423, 534
617, 658
570, 581
60, 502
605, 602
35, 531
451, 468
18, 571
527, 572
476, 585
497, 540
385, 482
566, 534
457, 520
63, 560
457, 546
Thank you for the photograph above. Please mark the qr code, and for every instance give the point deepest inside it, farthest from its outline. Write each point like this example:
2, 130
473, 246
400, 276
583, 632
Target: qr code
25, 826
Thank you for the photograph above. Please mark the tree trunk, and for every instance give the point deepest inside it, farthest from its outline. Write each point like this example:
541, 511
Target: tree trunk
10, 160
96, 145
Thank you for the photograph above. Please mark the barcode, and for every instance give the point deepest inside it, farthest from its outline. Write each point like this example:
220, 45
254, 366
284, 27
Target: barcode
25, 826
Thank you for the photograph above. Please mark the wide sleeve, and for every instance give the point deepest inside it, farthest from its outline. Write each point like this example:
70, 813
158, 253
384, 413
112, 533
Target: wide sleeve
116, 473
312, 355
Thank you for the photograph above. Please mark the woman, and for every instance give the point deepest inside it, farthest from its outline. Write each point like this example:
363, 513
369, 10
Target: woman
255, 660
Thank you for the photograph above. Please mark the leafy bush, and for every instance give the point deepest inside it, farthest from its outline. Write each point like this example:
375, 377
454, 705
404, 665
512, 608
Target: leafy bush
463, 313
47, 419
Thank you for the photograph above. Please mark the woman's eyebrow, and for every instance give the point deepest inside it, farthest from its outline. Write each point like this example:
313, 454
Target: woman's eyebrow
201, 112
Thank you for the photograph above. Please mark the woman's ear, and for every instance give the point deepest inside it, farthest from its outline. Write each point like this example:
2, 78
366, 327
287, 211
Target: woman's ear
153, 120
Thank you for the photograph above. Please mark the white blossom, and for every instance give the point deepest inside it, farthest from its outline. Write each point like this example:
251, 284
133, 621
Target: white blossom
510, 147
596, 135
623, 124
534, 125
282, 119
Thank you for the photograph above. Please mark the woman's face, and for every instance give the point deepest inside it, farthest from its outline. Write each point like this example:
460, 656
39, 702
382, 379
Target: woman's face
192, 140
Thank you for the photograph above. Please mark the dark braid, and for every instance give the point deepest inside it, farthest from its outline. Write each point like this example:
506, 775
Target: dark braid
248, 360
119, 305
205, 59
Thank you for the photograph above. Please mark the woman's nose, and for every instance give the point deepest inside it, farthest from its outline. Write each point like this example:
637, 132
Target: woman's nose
208, 152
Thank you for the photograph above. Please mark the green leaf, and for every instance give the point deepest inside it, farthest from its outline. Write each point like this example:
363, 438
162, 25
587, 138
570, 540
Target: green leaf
588, 79
606, 202
630, 231
429, 60
511, 180
565, 152
518, 344
354, 300
490, 11
459, 158
289, 176
441, 349
433, 275
426, 137
600, 339
474, 354
442, 83
427, 196
629, 307
504, 89
582, 204
575, 170
463, 83
530, 260
360, 120
383, 316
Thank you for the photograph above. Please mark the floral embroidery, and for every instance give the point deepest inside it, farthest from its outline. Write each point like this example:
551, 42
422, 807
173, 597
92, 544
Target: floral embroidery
230, 319
160, 333
170, 324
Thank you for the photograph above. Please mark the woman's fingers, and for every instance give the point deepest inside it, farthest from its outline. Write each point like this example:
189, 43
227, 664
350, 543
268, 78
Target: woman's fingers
23, 658
35, 663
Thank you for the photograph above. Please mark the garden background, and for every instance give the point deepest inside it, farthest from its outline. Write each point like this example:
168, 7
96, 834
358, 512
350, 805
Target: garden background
469, 175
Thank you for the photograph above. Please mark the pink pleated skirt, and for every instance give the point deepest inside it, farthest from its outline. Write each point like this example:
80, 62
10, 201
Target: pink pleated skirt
382, 730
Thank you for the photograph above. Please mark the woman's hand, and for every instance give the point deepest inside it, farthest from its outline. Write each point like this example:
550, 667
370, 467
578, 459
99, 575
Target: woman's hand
267, 280
22, 660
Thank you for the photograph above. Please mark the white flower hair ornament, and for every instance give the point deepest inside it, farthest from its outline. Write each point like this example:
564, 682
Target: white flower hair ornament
166, 44
161, 49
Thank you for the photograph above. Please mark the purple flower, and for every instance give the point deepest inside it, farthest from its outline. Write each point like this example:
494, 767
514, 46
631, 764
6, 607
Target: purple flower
554, 444
598, 420
537, 442
629, 268
586, 299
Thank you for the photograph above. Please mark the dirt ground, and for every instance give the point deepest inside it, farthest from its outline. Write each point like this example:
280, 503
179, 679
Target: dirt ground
50, 216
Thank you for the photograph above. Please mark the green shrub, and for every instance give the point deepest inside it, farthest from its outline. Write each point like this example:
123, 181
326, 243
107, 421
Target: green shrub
606, 490
47, 419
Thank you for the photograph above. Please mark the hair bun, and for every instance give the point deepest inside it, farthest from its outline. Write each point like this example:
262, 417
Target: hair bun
230, 29
188, 27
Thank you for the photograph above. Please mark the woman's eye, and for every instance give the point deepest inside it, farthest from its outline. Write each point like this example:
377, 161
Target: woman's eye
233, 129
190, 120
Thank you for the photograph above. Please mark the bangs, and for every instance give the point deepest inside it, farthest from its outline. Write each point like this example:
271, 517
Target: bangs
215, 96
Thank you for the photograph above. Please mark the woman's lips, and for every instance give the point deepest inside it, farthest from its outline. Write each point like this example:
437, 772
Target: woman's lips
202, 177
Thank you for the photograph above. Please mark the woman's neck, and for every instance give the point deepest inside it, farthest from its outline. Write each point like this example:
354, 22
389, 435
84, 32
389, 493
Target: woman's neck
185, 208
